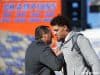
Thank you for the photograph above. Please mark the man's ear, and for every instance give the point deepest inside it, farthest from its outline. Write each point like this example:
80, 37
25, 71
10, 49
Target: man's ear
44, 36
65, 28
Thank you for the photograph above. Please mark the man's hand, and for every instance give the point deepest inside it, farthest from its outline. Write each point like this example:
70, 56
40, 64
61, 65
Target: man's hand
56, 51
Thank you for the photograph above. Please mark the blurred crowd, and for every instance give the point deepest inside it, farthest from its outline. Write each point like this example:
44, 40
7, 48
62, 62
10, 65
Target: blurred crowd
12, 53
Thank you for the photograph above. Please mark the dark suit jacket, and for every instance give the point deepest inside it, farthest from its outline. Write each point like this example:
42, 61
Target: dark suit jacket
40, 60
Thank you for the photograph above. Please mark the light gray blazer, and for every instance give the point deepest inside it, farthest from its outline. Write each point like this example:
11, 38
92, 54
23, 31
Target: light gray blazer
74, 60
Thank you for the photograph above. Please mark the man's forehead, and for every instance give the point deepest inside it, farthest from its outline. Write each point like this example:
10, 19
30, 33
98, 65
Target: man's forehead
57, 27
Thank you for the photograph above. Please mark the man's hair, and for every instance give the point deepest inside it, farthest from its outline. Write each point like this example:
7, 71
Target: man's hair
61, 21
40, 30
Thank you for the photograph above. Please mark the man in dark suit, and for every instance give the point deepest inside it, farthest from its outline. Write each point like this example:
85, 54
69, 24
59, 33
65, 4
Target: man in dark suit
40, 58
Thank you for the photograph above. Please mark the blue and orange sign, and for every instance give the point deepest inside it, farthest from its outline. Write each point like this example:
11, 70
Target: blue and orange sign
23, 16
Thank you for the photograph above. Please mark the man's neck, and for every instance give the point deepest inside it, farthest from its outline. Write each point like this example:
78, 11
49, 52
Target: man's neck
67, 36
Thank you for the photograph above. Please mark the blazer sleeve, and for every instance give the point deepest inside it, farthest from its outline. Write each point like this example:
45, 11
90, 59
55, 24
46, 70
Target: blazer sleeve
89, 54
48, 59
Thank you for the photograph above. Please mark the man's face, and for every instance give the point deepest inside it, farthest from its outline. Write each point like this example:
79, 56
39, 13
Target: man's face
60, 32
48, 37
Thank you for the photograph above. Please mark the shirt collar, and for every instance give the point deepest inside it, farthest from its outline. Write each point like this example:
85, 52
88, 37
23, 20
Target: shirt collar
67, 37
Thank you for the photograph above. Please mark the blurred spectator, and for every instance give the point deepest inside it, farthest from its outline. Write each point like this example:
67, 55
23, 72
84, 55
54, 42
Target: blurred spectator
2, 64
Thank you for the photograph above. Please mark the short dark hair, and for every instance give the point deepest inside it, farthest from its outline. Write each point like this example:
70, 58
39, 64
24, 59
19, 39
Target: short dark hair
61, 21
40, 30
